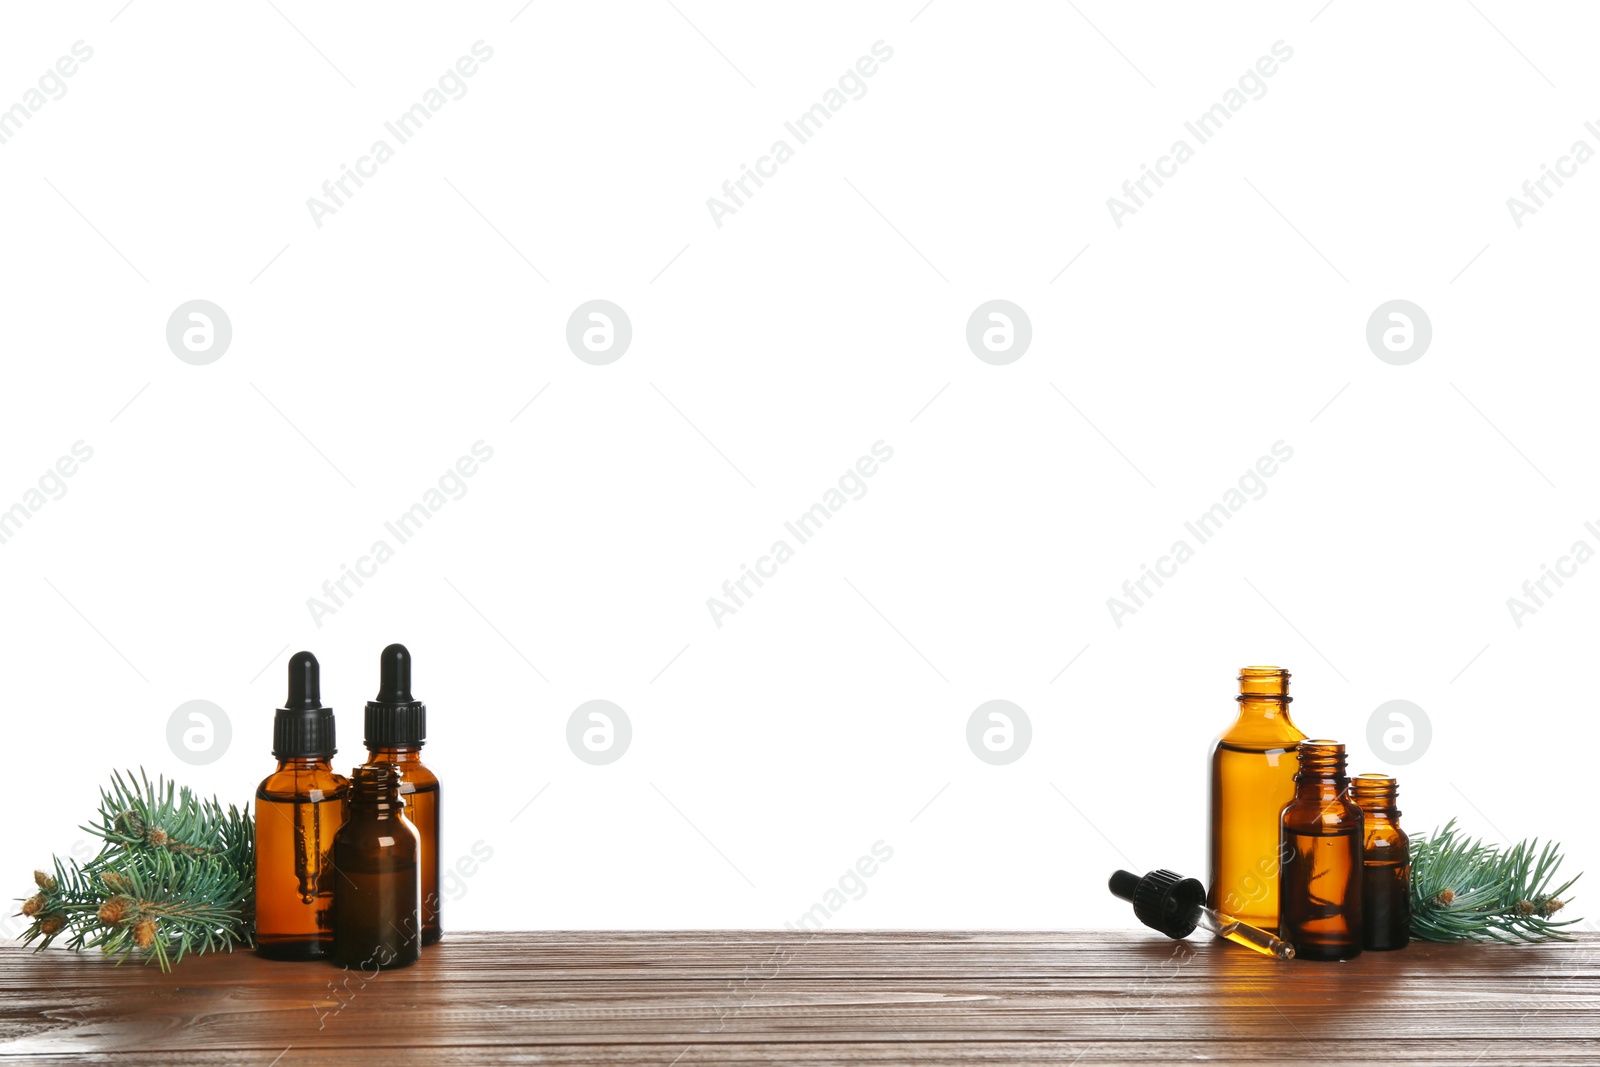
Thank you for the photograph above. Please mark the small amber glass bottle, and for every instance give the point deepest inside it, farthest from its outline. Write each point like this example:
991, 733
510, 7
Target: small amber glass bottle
1385, 864
1252, 778
299, 807
396, 727
376, 923
1320, 889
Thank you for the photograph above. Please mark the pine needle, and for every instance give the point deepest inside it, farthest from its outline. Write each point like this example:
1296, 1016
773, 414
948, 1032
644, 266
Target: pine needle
175, 876
1463, 889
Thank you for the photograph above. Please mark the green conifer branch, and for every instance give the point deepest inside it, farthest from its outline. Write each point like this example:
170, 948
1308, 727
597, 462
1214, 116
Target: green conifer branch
174, 875
1464, 889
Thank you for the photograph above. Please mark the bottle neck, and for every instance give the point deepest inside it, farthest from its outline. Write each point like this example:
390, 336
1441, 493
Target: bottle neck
1322, 774
395, 754
1377, 796
1269, 682
1336, 787
306, 763
375, 792
1264, 700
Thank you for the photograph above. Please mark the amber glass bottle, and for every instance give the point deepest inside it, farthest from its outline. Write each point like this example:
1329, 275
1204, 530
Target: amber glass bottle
299, 807
1319, 893
376, 924
397, 726
1252, 778
1385, 864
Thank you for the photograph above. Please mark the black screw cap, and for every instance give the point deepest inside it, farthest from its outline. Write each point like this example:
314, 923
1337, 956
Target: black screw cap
1162, 900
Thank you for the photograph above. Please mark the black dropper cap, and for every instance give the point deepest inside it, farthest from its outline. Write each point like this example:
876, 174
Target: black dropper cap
303, 728
395, 717
1162, 900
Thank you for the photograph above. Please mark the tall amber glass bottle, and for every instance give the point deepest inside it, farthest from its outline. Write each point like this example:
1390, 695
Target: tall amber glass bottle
1319, 892
299, 807
397, 726
1252, 778
1385, 864
375, 918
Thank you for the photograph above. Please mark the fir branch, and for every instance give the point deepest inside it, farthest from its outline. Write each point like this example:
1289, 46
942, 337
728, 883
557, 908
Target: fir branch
175, 875
1464, 889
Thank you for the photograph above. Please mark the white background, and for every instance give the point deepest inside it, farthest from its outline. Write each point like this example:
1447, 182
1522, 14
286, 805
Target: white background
827, 314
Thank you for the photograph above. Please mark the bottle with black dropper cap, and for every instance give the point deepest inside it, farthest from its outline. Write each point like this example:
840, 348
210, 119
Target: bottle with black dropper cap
299, 809
397, 726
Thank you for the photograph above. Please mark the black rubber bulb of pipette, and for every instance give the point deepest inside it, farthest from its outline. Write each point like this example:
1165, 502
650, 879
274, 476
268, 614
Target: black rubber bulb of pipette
394, 676
1162, 900
305, 683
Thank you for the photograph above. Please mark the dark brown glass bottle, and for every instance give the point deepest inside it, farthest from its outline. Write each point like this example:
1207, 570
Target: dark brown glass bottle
1319, 900
1385, 864
1252, 778
376, 923
397, 726
299, 807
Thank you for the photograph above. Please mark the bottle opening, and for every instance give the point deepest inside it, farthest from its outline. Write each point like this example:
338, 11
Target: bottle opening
1372, 789
1321, 758
375, 786
1264, 682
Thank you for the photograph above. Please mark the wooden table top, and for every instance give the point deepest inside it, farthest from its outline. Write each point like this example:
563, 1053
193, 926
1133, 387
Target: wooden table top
716, 997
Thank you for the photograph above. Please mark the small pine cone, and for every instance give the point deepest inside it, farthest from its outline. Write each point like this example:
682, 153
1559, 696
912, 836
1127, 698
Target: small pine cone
33, 905
128, 824
43, 881
156, 836
1445, 896
1550, 907
1526, 908
115, 910
144, 932
114, 882
52, 924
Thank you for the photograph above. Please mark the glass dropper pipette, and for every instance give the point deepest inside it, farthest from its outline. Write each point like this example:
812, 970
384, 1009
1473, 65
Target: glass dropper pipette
1175, 905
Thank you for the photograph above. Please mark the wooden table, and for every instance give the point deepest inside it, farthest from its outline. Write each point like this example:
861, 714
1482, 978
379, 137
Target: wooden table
696, 998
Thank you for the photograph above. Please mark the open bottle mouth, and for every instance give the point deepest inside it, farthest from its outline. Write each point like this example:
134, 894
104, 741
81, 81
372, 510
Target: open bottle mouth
1321, 758
1257, 683
1374, 790
376, 787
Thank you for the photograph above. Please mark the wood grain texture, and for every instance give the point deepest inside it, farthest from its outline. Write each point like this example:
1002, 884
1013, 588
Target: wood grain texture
710, 997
